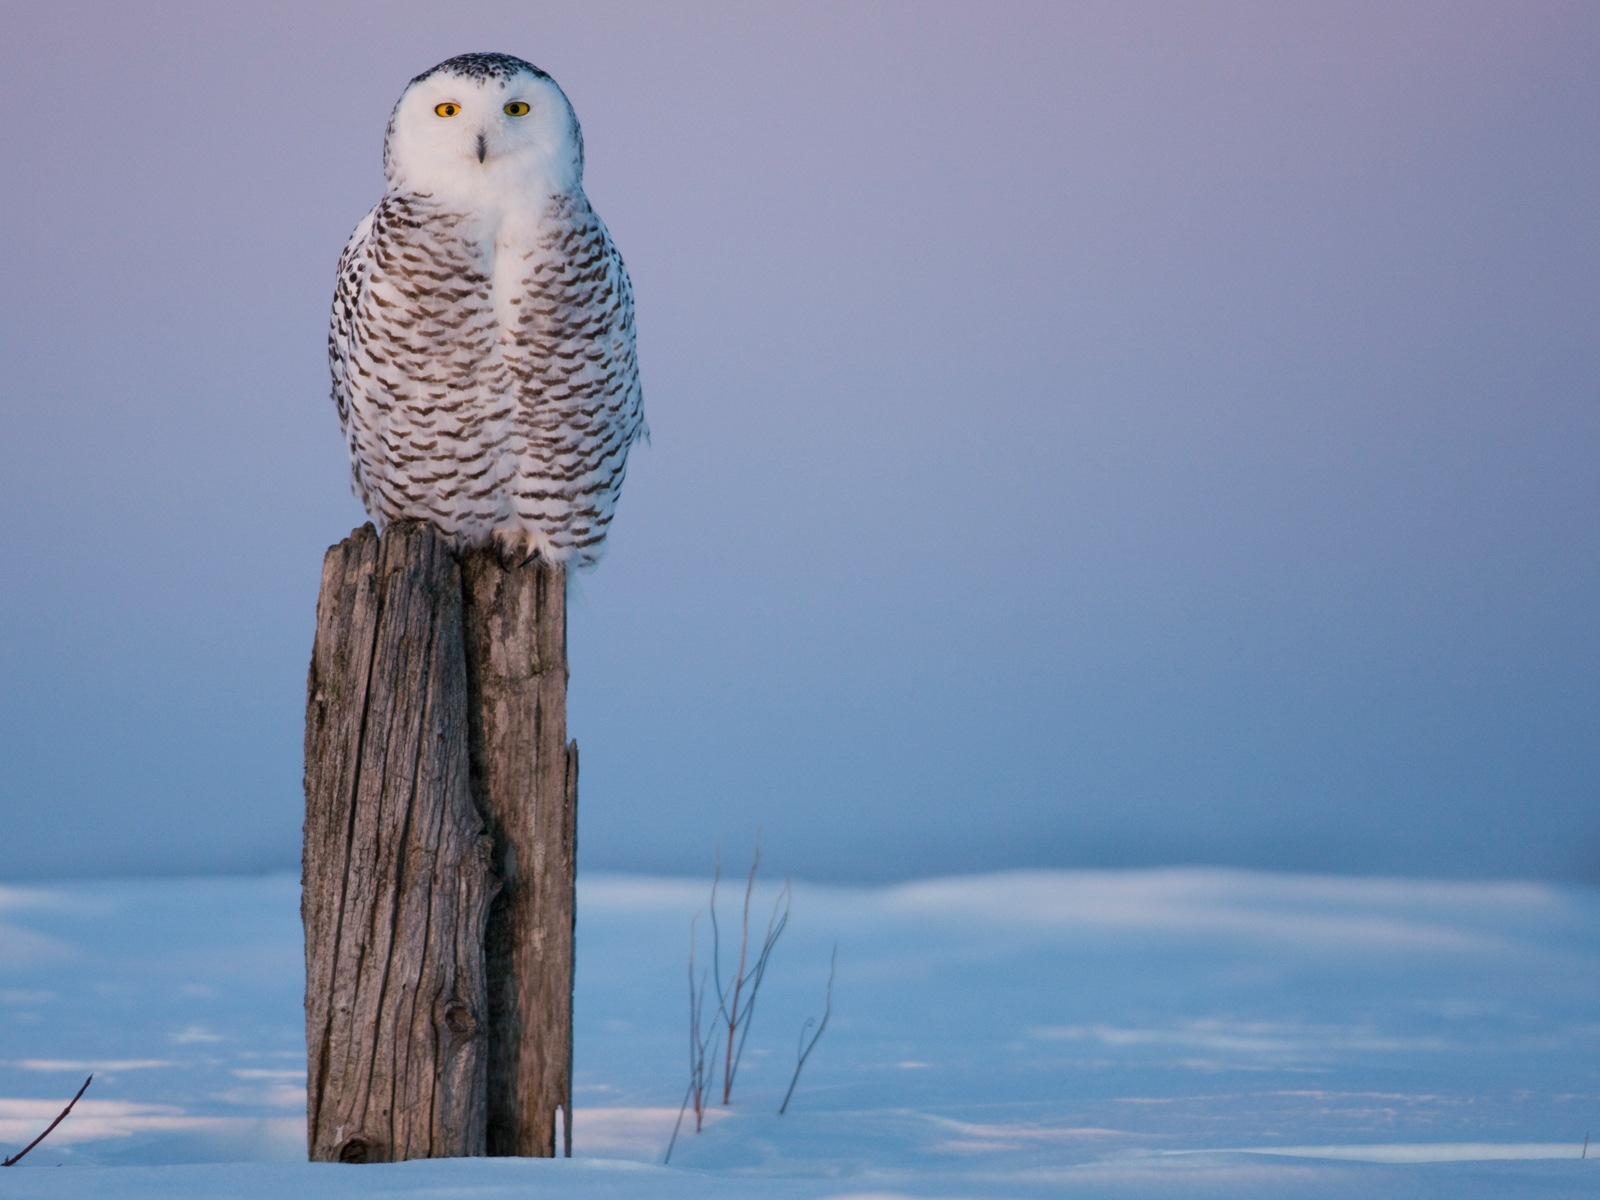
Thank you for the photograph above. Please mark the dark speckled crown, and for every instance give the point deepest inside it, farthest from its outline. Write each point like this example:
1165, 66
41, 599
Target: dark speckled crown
481, 67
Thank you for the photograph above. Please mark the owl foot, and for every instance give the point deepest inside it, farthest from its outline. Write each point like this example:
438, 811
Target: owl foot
516, 547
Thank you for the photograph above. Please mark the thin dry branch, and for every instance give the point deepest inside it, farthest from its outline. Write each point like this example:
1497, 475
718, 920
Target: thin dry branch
806, 1047
775, 927
736, 1001
61, 1116
728, 1063
700, 1070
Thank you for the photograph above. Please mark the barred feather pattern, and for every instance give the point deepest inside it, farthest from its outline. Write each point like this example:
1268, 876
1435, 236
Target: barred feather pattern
485, 373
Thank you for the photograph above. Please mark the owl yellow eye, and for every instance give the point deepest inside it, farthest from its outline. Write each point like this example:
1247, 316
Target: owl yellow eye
447, 109
517, 108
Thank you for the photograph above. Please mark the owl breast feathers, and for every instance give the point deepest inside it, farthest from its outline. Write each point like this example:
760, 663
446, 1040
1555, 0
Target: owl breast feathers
482, 337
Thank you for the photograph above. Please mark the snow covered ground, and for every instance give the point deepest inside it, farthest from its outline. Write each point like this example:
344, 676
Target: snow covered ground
1130, 1034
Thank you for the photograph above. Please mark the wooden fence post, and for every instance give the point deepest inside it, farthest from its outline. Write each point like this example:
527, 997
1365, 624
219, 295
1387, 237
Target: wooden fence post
525, 779
438, 868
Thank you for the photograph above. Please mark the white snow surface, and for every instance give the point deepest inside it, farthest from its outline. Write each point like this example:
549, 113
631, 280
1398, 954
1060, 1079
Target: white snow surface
1182, 1033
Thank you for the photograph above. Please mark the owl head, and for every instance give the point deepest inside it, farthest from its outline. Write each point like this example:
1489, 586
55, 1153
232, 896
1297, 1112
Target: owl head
480, 125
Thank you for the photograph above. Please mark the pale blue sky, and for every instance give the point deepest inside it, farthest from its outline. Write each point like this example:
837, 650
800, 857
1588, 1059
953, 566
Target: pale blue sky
1084, 433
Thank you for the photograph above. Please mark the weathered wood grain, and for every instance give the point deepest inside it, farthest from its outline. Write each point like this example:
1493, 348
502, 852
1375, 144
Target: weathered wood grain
440, 854
524, 778
397, 875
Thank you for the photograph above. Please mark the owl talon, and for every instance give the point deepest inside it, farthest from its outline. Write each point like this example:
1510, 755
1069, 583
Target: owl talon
515, 547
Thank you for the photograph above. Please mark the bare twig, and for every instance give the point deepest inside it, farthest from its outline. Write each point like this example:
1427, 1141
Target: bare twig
61, 1116
775, 927
730, 1012
736, 1000
700, 1070
716, 932
700, 1040
806, 1047
677, 1125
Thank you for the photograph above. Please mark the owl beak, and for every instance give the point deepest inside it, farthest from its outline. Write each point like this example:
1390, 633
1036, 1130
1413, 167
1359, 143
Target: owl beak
483, 146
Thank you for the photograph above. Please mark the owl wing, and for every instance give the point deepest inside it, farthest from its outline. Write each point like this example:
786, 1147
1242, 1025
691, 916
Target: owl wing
411, 327
354, 263
580, 402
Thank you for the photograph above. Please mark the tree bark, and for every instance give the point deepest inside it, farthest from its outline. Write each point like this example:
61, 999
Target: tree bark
438, 870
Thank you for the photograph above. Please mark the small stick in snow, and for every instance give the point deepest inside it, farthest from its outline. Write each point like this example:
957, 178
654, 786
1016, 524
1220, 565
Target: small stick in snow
1585, 1153
805, 1046
61, 1116
744, 984
700, 1070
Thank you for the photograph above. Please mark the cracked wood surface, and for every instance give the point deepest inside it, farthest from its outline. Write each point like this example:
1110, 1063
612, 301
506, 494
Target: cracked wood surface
517, 665
438, 869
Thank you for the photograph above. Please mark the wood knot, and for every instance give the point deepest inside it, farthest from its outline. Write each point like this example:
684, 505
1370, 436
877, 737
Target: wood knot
354, 1150
458, 1018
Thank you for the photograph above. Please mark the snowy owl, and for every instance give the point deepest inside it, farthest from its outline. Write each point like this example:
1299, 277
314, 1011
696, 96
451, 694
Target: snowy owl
482, 341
